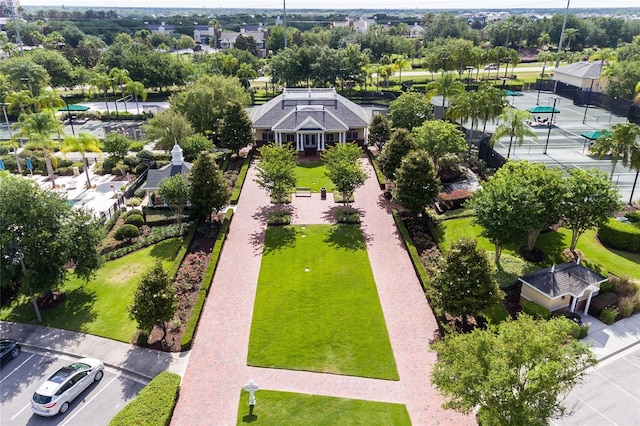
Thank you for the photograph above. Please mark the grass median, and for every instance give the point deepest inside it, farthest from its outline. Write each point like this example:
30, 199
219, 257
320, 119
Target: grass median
317, 306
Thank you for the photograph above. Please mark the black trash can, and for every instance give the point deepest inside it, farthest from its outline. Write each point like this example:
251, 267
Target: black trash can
323, 193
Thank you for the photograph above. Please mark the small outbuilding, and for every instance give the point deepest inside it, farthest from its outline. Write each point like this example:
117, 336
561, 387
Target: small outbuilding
584, 75
177, 166
568, 286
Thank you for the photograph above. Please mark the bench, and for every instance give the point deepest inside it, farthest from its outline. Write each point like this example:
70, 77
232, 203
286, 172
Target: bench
303, 192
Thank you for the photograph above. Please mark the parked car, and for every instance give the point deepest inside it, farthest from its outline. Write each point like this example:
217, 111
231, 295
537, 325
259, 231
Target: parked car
9, 349
491, 67
55, 395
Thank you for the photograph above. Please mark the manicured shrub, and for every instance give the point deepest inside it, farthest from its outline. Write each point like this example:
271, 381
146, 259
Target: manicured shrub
601, 301
127, 232
158, 233
140, 168
135, 219
134, 202
606, 287
633, 216
535, 310
108, 225
131, 162
235, 195
109, 163
279, 218
608, 316
348, 215
620, 236
584, 331
144, 154
136, 146
154, 404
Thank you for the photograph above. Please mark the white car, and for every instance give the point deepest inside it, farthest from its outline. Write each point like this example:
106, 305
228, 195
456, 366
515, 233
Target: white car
55, 395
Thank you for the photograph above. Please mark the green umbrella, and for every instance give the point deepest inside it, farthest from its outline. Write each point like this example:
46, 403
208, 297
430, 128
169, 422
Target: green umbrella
540, 109
74, 107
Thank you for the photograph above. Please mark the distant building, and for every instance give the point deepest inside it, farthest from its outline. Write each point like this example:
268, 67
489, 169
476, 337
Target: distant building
8, 8
584, 75
177, 166
310, 119
416, 31
227, 39
160, 29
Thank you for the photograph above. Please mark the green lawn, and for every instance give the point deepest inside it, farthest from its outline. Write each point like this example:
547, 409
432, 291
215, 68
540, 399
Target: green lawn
312, 174
317, 305
286, 408
596, 256
100, 306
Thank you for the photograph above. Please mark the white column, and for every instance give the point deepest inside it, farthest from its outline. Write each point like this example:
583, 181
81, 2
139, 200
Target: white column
299, 139
322, 141
573, 304
586, 307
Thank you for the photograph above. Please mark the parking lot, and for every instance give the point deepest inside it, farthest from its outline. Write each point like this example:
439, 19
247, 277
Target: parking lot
20, 377
609, 395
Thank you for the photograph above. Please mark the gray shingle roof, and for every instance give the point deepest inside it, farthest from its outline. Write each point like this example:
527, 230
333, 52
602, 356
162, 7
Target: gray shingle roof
338, 110
566, 278
582, 69
154, 177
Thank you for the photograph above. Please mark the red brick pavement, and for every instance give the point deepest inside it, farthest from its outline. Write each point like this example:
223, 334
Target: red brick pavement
217, 367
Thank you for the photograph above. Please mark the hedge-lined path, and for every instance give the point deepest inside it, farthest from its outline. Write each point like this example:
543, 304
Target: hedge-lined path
217, 367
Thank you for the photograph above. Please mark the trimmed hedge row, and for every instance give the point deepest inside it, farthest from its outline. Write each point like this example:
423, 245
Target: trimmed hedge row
620, 236
235, 195
192, 322
376, 168
158, 234
154, 404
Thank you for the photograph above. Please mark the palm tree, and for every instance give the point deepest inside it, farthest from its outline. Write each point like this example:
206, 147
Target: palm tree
136, 89
512, 124
636, 98
634, 164
493, 103
101, 82
467, 105
621, 141
445, 85
400, 63
245, 73
571, 34
119, 78
82, 143
38, 127
50, 99
544, 40
21, 100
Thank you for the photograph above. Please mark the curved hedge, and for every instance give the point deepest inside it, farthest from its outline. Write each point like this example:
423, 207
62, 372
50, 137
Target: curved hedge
620, 236
235, 195
134, 219
154, 404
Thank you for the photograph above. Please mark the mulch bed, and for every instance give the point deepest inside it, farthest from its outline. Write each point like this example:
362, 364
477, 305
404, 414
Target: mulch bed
203, 242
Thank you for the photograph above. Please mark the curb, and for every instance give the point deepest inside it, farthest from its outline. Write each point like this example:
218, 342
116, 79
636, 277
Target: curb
132, 374
617, 351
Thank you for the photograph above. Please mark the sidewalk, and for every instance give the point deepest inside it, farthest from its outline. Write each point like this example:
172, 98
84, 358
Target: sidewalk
608, 340
133, 360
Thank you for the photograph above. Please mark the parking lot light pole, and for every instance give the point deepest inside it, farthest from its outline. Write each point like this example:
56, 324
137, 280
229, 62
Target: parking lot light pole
64, 98
553, 112
586, 108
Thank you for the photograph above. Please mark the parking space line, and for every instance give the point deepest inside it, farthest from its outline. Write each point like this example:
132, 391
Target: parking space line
616, 385
89, 401
18, 413
594, 409
16, 369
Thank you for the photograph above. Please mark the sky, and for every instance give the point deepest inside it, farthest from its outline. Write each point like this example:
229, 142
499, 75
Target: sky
344, 4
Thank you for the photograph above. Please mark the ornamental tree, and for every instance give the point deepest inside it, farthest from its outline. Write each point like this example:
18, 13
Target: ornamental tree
590, 199
379, 131
515, 374
438, 138
277, 170
401, 144
155, 301
235, 127
417, 183
174, 191
464, 285
410, 110
40, 235
344, 169
208, 190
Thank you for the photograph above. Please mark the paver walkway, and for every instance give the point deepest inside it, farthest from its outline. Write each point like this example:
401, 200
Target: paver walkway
217, 367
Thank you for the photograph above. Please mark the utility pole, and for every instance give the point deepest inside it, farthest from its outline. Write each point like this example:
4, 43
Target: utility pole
564, 24
284, 21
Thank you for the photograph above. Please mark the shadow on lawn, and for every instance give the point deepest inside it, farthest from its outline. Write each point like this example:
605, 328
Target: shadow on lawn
165, 250
279, 238
347, 237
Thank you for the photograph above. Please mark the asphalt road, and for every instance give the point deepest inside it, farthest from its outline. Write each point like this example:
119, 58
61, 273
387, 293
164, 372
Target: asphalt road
609, 395
96, 406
